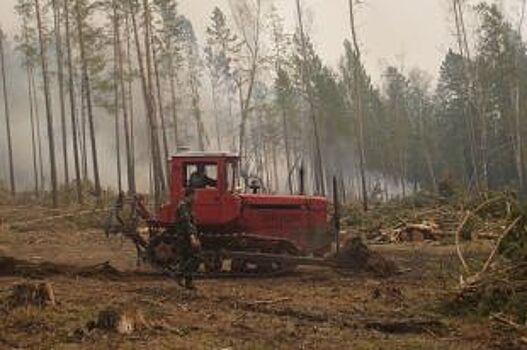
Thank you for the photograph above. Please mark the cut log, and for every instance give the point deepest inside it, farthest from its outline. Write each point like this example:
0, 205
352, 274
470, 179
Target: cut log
414, 232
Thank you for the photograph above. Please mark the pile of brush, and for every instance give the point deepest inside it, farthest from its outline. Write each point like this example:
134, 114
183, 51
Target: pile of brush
499, 288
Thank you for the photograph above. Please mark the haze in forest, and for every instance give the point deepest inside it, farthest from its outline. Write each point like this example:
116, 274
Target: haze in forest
389, 103
408, 32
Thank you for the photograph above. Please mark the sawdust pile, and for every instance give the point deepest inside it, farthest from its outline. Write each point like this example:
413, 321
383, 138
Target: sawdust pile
356, 257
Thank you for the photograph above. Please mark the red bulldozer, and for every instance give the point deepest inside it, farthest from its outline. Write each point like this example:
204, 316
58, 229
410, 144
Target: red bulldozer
240, 233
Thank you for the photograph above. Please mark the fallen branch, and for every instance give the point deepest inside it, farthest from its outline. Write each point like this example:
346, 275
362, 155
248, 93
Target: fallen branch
462, 225
51, 218
495, 250
504, 320
458, 248
267, 302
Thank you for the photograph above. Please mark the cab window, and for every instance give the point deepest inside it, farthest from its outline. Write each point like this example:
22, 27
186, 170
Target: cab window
232, 176
201, 175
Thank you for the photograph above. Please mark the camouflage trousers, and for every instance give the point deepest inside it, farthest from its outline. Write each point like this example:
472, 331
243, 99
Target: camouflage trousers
188, 265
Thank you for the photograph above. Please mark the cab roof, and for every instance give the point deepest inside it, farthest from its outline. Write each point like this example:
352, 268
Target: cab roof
198, 154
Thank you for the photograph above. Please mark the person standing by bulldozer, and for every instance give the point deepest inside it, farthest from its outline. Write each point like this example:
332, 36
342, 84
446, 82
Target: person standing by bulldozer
187, 239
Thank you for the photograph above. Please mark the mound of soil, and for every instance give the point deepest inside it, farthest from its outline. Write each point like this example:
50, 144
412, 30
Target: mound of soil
104, 270
355, 256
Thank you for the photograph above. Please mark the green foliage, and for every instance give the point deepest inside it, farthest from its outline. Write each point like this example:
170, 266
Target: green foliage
448, 187
491, 297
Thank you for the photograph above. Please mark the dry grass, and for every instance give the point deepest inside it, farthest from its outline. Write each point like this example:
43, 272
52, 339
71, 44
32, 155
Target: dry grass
312, 308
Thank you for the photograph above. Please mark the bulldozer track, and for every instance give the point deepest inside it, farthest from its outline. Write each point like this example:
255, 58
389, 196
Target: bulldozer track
249, 256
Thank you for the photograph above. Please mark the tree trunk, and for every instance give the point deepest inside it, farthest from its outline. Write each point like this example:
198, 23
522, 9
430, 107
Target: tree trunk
158, 165
38, 131
426, 150
245, 101
286, 145
197, 111
7, 117
130, 172
465, 54
60, 78
49, 113
173, 104
82, 134
216, 117
518, 139
276, 182
306, 74
91, 122
148, 100
131, 103
116, 106
73, 108
161, 114
357, 78
32, 124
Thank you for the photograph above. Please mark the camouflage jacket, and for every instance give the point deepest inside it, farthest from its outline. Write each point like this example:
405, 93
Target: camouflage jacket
184, 220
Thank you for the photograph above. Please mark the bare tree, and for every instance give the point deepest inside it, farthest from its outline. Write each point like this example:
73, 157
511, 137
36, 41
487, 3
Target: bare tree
129, 97
473, 102
73, 109
7, 116
33, 124
49, 113
306, 74
145, 75
518, 139
357, 80
27, 48
120, 76
161, 111
280, 41
87, 90
37, 130
248, 20
60, 78
116, 100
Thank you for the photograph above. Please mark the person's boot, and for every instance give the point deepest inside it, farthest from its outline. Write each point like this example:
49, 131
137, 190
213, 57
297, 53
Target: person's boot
189, 285
180, 282
179, 279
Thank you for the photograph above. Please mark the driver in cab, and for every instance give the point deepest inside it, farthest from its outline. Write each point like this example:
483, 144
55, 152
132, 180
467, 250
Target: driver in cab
199, 178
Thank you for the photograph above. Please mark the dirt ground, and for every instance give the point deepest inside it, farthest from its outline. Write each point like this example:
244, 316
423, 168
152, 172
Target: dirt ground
313, 308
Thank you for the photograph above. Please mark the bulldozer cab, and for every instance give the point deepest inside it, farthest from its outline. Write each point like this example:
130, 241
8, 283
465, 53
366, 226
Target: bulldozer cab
204, 171
214, 176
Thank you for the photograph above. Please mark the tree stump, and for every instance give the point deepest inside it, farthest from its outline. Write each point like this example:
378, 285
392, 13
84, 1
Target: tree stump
39, 294
121, 320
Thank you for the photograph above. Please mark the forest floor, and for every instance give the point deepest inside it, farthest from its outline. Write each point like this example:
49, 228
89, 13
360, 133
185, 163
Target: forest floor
312, 308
